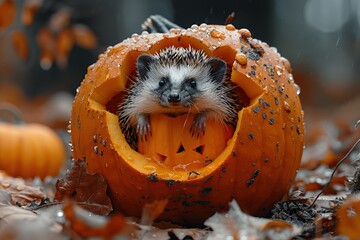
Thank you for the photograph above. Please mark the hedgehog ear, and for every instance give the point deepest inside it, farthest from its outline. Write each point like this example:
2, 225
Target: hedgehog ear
217, 69
143, 65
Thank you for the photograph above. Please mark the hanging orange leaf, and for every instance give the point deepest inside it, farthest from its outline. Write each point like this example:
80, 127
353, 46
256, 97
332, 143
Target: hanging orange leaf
20, 44
29, 11
64, 44
84, 36
59, 20
46, 41
7, 13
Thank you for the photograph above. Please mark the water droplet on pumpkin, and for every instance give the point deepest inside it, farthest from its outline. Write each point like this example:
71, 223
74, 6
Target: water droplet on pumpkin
287, 107
194, 26
193, 175
106, 165
19, 188
135, 35
175, 30
241, 58
183, 32
286, 64
217, 34
96, 149
230, 27
145, 33
298, 89
203, 25
91, 66
279, 70
149, 167
245, 33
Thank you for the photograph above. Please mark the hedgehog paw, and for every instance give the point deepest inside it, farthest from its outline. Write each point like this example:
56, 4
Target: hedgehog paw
199, 125
143, 127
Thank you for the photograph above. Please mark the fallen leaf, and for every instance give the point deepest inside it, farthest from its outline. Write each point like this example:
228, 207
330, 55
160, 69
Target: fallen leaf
21, 193
84, 36
87, 190
237, 225
20, 44
151, 211
18, 223
88, 225
7, 13
348, 216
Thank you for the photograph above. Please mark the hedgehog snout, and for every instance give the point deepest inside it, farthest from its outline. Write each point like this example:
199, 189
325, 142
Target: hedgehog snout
174, 97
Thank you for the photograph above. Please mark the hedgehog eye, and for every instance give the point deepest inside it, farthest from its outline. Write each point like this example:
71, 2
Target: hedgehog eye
192, 83
163, 81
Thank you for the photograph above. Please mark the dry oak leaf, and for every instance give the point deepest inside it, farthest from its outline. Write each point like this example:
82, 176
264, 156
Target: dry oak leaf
87, 190
7, 13
21, 192
235, 225
88, 225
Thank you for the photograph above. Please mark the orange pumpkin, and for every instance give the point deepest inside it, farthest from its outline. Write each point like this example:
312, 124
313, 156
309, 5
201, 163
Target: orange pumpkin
30, 150
254, 163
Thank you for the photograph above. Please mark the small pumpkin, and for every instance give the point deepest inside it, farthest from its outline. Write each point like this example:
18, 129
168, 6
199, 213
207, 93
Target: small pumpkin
29, 150
255, 163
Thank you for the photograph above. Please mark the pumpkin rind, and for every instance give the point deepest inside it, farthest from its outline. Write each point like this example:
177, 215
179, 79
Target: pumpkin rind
256, 167
30, 150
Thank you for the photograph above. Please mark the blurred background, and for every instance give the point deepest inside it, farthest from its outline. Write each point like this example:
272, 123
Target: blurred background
47, 45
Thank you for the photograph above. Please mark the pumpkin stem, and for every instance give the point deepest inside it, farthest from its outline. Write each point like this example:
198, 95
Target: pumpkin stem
10, 111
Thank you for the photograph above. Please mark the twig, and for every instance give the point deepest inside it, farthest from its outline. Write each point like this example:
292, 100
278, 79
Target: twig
334, 171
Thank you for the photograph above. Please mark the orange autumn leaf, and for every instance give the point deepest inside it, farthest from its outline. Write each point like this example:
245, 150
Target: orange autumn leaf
84, 36
46, 41
348, 216
59, 20
64, 44
152, 210
89, 225
7, 13
20, 44
29, 11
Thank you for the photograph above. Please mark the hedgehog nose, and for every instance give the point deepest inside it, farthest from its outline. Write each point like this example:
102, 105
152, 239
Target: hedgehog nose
174, 98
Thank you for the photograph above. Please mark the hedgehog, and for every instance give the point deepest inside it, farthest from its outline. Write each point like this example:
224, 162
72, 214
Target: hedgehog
177, 81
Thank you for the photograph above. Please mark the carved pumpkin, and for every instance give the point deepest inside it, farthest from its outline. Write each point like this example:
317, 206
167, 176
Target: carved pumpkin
29, 150
254, 163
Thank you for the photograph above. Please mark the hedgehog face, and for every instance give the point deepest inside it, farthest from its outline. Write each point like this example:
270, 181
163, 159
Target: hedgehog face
180, 88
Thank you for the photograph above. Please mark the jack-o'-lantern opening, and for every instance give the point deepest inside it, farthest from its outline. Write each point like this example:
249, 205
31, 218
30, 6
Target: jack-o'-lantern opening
172, 141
